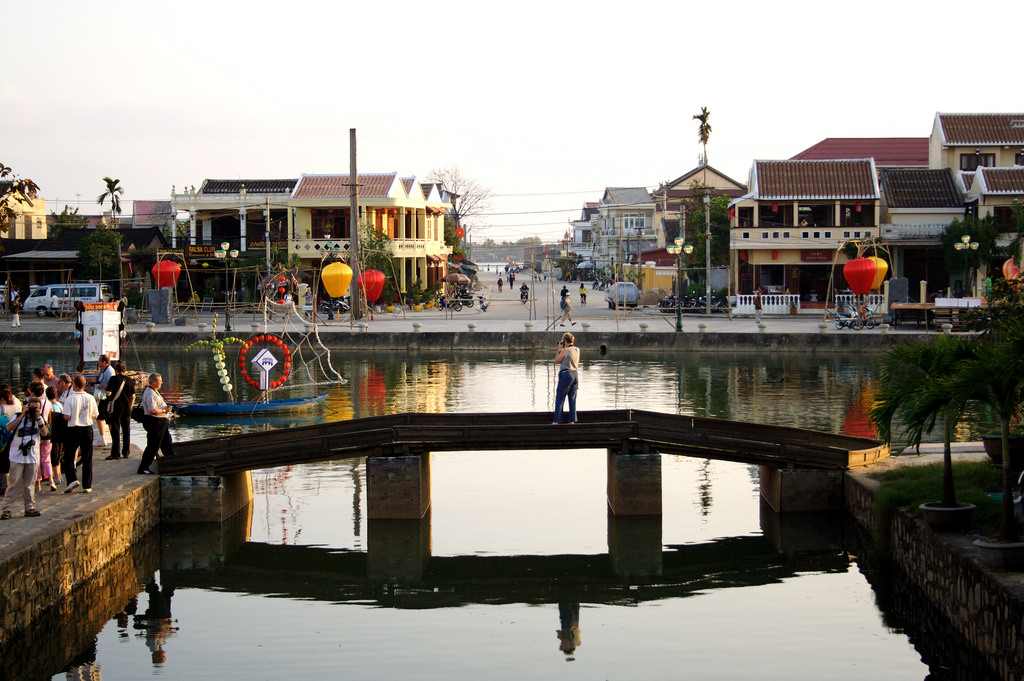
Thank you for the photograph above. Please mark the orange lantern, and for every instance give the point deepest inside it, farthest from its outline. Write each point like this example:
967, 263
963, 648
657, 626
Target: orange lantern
371, 283
165, 273
881, 269
336, 277
859, 273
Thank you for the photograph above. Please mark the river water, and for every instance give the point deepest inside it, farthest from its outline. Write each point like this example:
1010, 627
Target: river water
516, 579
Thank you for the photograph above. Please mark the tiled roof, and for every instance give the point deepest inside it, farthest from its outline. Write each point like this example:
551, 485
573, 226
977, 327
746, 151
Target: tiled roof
337, 186
625, 196
887, 151
151, 212
981, 129
1000, 180
905, 188
251, 186
793, 180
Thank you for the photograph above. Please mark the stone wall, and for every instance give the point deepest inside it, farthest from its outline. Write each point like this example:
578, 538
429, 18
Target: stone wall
985, 608
44, 574
592, 342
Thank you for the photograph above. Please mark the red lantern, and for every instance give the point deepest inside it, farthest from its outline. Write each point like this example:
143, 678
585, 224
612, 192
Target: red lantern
371, 283
165, 273
860, 274
775, 208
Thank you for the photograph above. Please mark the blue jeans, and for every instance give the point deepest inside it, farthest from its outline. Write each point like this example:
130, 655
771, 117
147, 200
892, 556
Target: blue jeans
568, 382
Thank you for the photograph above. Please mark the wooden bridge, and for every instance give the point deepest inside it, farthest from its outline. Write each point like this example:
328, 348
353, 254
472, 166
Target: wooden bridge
624, 431
800, 470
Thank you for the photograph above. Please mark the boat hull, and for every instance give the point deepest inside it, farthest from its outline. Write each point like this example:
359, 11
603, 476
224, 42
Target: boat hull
249, 408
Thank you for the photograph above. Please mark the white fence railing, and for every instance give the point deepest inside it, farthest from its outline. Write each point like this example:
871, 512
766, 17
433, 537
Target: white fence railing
771, 303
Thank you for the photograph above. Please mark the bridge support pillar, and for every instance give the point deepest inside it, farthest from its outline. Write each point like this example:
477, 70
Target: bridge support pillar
398, 550
801, 489
203, 498
397, 487
634, 545
634, 483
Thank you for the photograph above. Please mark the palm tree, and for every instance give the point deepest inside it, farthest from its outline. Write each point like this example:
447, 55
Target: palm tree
994, 376
114, 190
918, 387
703, 134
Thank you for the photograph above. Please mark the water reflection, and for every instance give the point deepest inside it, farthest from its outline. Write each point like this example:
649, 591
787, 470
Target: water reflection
830, 393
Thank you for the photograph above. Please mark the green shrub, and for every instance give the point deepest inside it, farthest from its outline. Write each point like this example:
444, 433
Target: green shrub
910, 486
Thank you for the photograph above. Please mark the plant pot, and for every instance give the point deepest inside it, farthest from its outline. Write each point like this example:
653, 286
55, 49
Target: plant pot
389, 308
994, 448
1001, 555
947, 519
417, 307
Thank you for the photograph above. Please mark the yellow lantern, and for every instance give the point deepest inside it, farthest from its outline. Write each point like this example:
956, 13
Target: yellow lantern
336, 278
881, 269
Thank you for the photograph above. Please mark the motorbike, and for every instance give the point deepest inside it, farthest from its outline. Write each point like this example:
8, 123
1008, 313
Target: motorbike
333, 306
845, 320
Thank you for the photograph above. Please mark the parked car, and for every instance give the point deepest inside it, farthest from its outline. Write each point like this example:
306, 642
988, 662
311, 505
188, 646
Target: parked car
622, 294
67, 294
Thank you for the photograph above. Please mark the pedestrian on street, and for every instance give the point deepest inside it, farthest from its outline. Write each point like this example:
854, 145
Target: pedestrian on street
80, 413
121, 390
15, 310
501, 282
757, 306
158, 415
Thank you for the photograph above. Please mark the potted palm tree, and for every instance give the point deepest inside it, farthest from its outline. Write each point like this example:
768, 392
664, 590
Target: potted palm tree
919, 389
994, 376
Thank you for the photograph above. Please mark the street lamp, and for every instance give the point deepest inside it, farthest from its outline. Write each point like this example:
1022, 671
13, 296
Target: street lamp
678, 250
965, 244
227, 256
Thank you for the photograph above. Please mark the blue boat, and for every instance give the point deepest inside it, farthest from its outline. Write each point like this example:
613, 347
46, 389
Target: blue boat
249, 408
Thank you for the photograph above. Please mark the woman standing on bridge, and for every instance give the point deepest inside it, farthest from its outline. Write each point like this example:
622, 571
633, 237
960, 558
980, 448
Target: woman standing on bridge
568, 361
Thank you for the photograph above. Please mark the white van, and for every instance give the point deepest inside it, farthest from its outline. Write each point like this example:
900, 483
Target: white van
39, 300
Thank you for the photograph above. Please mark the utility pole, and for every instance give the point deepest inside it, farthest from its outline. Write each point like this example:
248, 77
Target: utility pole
707, 250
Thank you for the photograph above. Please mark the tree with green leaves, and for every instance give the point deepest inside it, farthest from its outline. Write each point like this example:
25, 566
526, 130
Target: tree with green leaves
994, 375
983, 232
918, 388
113, 192
14, 190
99, 250
68, 219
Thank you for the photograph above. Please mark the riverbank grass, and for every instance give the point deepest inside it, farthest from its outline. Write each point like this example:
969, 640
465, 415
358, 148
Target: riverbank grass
910, 486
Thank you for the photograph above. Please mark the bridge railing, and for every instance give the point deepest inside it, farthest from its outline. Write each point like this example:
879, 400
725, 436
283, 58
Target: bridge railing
616, 430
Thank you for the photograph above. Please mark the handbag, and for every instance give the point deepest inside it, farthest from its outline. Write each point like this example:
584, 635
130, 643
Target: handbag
138, 413
104, 408
106, 413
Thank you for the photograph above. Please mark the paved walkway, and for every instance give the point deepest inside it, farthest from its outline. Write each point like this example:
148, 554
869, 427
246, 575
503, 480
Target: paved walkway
112, 480
505, 313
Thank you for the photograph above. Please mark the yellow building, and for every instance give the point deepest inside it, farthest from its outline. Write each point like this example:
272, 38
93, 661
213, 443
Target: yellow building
309, 217
785, 232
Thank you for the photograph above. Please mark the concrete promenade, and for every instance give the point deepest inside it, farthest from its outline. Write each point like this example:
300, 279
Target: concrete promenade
507, 324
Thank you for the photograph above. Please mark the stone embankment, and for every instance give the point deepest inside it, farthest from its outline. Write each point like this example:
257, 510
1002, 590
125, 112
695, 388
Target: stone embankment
985, 607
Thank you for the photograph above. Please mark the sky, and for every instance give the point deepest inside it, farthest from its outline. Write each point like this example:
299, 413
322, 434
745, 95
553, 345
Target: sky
544, 103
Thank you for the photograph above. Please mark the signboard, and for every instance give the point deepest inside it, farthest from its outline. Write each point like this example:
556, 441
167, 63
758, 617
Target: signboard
264, 361
101, 326
816, 255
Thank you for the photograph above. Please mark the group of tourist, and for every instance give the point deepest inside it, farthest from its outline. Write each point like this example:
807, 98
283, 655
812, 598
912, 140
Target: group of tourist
51, 430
